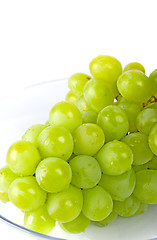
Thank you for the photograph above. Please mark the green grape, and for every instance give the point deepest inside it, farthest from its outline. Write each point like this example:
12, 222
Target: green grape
142, 208
86, 172
6, 178
39, 220
112, 216
78, 225
138, 142
128, 207
66, 205
153, 78
89, 117
152, 164
152, 139
4, 197
131, 110
120, 187
26, 194
146, 119
115, 158
97, 204
82, 105
114, 122
98, 95
77, 82
146, 186
134, 66
88, 139
135, 86
55, 141
71, 97
151, 105
51, 171
33, 132
47, 124
23, 158
106, 68
66, 115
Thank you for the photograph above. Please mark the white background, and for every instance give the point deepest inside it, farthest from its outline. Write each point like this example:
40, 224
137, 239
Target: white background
52, 39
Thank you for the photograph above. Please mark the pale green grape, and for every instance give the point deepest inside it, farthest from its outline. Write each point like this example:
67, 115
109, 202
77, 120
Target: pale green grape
71, 97
134, 66
98, 94
77, 82
26, 194
78, 225
135, 86
4, 197
142, 208
152, 139
88, 139
114, 122
120, 187
115, 158
33, 132
106, 68
97, 204
66, 205
23, 158
89, 117
82, 105
6, 178
138, 142
53, 175
113, 215
86, 172
146, 119
153, 78
152, 105
152, 164
131, 110
128, 207
39, 220
55, 141
65, 114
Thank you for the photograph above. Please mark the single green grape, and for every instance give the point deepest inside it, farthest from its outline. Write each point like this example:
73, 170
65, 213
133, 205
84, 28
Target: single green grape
88, 139
120, 187
128, 207
4, 197
152, 164
39, 220
65, 114
153, 78
135, 86
97, 204
33, 132
65, 206
152, 139
82, 105
89, 117
71, 97
134, 66
98, 95
131, 110
6, 178
77, 82
138, 142
115, 158
152, 105
51, 171
78, 225
114, 122
142, 209
111, 217
146, 119
26, 194
106, 68
23, 158
55, 141
86, 172
146, 187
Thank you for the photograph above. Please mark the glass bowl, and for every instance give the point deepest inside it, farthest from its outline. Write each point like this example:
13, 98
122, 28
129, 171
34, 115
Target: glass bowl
32, 105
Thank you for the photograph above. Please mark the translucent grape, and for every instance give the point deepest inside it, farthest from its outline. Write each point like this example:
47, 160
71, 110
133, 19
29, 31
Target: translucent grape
88, 139
152, 139
82, 105
86, 172
66, 205
153, 78
114, 122
89, 117
115, 158
97, 204
66, 115
26, 194
113, 215
77, 82
146, 186
71, 97
53, 175
39, 220
55, 141
23, 158
4, 197
134, 66
6, 178
142, 208
135, 86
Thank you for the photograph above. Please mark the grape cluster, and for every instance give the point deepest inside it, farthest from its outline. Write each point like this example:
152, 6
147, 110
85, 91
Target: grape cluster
96, 156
